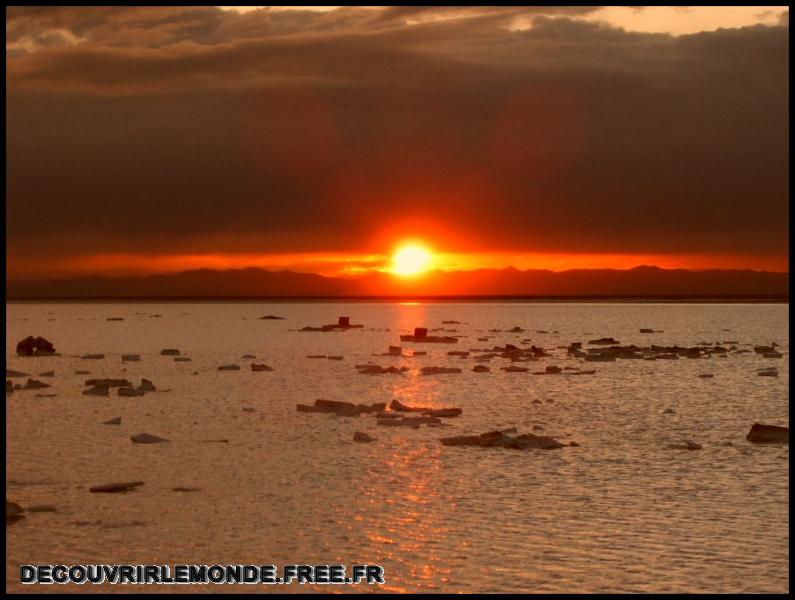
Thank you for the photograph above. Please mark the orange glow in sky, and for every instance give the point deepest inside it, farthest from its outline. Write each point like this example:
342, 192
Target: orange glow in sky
409, 260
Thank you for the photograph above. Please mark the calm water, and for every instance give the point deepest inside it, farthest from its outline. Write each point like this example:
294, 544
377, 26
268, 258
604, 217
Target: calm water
622, 512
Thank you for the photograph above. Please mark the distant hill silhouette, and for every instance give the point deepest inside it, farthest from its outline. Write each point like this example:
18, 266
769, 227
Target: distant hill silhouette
643, 281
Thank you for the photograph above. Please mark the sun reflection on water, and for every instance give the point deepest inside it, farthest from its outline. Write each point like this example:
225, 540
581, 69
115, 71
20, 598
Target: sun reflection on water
408, 528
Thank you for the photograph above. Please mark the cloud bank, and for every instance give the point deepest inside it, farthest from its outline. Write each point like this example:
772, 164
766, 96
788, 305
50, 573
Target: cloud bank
516, 129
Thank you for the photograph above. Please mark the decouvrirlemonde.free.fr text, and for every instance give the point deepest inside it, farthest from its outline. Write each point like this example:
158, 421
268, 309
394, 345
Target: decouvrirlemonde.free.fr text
201, 574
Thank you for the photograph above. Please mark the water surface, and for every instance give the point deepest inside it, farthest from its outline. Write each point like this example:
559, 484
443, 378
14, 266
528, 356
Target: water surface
621, 512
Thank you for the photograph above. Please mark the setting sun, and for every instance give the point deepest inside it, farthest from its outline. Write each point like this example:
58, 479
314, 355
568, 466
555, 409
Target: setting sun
410, 259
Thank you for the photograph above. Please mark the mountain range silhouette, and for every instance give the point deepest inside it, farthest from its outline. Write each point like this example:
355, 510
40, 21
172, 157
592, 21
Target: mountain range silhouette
642, 281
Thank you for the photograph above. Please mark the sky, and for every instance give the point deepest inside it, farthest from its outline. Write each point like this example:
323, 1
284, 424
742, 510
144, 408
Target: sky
156, 139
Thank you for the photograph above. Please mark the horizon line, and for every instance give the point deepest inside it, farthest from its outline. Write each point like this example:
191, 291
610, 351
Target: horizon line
662, 298
108, 275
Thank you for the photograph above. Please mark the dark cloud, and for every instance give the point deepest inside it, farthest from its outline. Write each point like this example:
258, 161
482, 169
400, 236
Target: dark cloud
160, 129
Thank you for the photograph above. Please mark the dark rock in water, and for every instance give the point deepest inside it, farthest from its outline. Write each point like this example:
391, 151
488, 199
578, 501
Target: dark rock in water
496, 439
379, 370
480, 369
344, 409
552, 369
109, 383
185, 489
130, 357
686, 445
335, 357
706, 376
113, 421
764, 349
93, 356
421, 336
442, 412
14, 512
82, 372
40, 508
439, 370
257, 368
229, 368
668, 411
536, 401
644, 330
146, 438
97, 391
461, 440
33, 384
768, 372
768, 434
370, 408
358, 436
271, 318
147, 386
339, 408
573, 444
169, 352
129, 392
309, 408
182, 359
35, 346
115, 319
603, 341
221, 441
599, 358
398, 406
342, 324
115, 488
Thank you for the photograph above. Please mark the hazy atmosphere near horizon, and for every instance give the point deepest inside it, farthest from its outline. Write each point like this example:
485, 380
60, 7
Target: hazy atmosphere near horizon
423, 299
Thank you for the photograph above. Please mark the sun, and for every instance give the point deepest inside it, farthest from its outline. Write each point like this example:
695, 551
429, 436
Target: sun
410, 259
